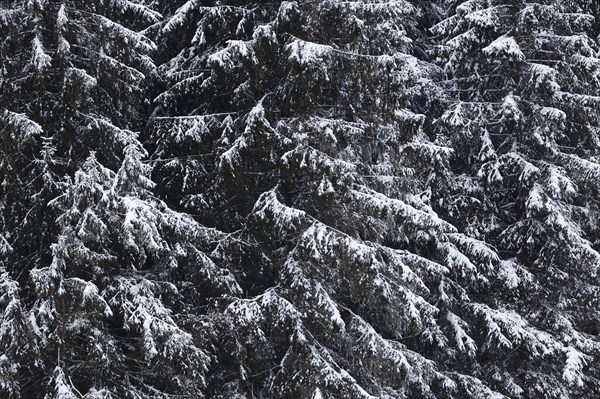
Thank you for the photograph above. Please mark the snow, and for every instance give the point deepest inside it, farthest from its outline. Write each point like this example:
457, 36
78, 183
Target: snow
329, 134
307, 54
141, 226
536, 201
40, 59
405, 115
180, 15
528, 174
137, 40
508, 329
455, 116
94, 393
336, 377
469, 6
193, 129
559, 185
269, 208
510, 108
137, 8
508, 272
27, 127
228, 57
464, 40
325, 302
144, 312
572, 372
456, 260
80, 76
5, 247
475, 248
264, 32
487, 152
286, 10
423, 267
63, 46
8, 15
382, 204
476, 388
544, 76
385, 8
464, 342
133, 75
122, 136
554, 114
486, 18
230, 158
62, 387
505, 46
61, 19
314, 160
325, 187
378, 349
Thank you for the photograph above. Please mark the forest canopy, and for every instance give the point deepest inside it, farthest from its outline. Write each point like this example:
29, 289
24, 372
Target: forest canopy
299, 199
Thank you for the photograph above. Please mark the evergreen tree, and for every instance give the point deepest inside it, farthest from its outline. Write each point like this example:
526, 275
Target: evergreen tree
522, 76
106, 303
234, 199
92, 263
300, 127
71, 80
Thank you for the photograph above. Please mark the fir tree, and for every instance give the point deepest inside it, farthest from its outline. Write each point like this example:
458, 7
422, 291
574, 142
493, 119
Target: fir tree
92, 263
227, 199
522, 79
311, 146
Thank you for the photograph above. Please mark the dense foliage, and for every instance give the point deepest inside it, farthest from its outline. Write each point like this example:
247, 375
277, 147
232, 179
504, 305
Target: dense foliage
324, 199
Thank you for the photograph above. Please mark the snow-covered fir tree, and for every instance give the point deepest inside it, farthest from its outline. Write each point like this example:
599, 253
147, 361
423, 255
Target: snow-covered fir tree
522, 78
91, 304
248, 199
299, 127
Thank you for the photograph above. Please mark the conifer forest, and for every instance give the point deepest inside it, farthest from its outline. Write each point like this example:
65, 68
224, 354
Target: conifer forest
310, 199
